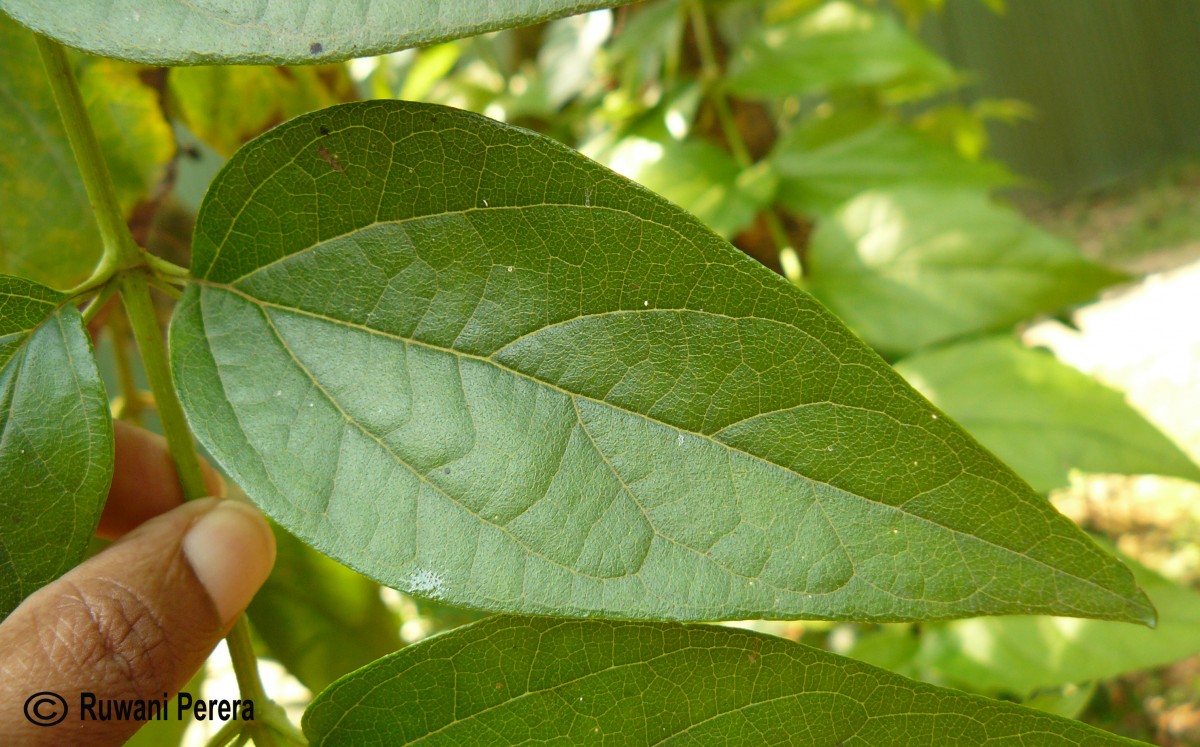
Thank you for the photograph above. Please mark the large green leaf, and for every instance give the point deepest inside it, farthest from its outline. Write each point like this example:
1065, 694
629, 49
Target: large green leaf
474, 365
172, 32
507, 681
909, 267
48, 233
56, 443
318, 618
1043, 418
824, 162
835, 46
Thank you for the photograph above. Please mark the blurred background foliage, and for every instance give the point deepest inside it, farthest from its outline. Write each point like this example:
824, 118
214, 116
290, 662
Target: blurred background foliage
929, 169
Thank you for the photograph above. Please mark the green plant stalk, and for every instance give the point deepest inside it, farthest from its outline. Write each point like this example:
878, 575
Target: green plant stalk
710, 69
122, 255
120, 251
118, 328
135, 295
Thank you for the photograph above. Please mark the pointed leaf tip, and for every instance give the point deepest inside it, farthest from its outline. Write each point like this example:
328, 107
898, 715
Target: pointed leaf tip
471, 363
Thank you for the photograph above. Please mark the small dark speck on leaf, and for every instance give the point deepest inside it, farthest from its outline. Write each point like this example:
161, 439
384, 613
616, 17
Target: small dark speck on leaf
324, 130
329, 159
315, 48
447, 470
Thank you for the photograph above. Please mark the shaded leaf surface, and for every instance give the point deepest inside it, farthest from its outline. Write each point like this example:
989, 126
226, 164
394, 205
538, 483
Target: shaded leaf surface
175, 32
838, 45
1042, 417
909, 267
524, 681
478, 367
56, 443
823, 163
318, 618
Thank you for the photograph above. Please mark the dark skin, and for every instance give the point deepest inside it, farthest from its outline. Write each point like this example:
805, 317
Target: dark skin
138, 619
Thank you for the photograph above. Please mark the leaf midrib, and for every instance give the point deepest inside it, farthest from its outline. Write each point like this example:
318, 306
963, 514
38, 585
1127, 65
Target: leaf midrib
811, 481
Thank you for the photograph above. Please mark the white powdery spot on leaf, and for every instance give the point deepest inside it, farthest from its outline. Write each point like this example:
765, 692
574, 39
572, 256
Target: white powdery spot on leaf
426, 583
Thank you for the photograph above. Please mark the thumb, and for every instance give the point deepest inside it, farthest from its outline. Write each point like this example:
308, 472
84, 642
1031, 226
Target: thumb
133, 622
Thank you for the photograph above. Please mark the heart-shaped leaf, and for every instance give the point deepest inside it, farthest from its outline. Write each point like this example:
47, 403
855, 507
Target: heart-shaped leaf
514, 681
56, 442
169, 32
472, 364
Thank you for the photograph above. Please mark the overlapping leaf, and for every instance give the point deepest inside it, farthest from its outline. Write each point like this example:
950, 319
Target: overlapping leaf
56, 443
476, 366
172, 32
909, 267
1043, 418
508, 681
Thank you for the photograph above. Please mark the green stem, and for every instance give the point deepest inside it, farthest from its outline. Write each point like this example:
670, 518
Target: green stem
120, 251
139, 307
245, 668
121, 255
710, 69
118, 328
227, 734
135, 294
165, 268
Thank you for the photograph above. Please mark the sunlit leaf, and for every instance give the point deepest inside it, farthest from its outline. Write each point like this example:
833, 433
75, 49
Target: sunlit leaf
1019, 655
835, 46
126, 113
476, 366
507, 681
169, 32
56, 443
1042, 417
821, 167
318, 618
227, 105
913, 266
696, 175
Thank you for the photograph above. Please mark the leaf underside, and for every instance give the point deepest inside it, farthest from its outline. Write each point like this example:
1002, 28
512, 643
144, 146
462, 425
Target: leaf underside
478, 367
525, 681
175, 32
56, 443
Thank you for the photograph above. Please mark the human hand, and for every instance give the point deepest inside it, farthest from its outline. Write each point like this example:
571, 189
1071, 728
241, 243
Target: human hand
138, 619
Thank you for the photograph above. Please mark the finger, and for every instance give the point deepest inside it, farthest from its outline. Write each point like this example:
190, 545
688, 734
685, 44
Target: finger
133, 622
145, 483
